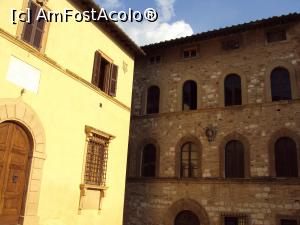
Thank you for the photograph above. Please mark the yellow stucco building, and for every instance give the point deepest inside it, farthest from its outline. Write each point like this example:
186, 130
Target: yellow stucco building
65, 96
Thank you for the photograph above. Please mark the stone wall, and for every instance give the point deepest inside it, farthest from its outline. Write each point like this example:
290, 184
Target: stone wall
148, 203
257, 123
254, 62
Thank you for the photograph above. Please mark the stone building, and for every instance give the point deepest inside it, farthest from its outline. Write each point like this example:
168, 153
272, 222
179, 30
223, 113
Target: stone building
215, 128
65, 97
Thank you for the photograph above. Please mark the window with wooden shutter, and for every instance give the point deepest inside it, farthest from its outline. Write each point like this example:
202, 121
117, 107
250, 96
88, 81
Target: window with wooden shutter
105, 74
153, 96
234, 160
286, 159
33, 32
148, 168
189, 160
280, 84
232, 90
189, 95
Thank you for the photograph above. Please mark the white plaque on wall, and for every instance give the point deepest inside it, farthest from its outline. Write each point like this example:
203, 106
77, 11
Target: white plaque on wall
23, 75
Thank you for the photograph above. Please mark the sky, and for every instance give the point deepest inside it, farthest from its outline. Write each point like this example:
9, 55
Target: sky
180, 18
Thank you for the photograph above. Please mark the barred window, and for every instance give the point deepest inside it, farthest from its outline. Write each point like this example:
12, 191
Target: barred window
96, 159
235, 219
288, 222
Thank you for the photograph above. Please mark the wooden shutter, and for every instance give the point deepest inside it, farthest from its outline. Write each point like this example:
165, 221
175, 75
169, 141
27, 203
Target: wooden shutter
29, 28
39, 32
286, 158
96, 69
113, 81
234, 160
33, 32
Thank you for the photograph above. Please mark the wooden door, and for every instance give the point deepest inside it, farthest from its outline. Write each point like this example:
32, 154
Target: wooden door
14, 153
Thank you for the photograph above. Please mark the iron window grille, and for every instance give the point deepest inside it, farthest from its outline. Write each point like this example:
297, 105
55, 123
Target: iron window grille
96, 157
234, 219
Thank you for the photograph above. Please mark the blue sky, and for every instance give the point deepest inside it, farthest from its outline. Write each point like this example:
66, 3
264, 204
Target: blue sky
178, 18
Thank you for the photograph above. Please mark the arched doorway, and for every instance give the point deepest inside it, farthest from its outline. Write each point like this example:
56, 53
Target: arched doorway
15, 149
186, 217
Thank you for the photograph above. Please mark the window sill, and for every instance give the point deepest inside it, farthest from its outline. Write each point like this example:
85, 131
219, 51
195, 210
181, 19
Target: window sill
276, 42
95, 190
92, 187
219, 180
189, 58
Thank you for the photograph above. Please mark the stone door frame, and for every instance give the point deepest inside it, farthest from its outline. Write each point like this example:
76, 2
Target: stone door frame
15, 110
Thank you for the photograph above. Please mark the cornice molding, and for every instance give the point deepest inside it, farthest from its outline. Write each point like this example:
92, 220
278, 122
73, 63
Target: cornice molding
61, 69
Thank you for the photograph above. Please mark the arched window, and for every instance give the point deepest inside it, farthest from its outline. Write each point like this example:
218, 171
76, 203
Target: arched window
153, 100
286, 158
189, 95
234, 159
232, 90
148, 161
280, 84
186, 217
189, 160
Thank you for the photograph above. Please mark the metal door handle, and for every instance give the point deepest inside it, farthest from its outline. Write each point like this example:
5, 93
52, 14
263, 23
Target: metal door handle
14, 178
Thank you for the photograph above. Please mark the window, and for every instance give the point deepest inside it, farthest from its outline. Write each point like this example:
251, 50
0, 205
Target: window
93, 184
235, 220
231, 44
153, 100
234, 160
280, 84
33, 32
189, 53
155, 59
288, 222
149, 161
286, 158
232, 90
96, 158
105, 74
276, 35
189, 160
186, 217
189, 95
